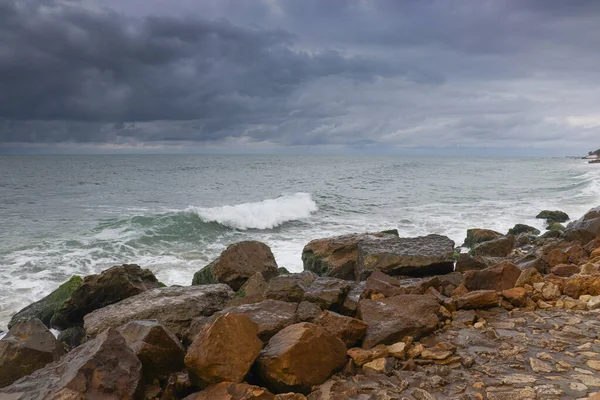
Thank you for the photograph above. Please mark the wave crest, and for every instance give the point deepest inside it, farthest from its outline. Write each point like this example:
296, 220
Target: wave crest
266, 214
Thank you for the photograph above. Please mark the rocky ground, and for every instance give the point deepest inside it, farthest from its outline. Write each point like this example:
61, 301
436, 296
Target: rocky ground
373, 316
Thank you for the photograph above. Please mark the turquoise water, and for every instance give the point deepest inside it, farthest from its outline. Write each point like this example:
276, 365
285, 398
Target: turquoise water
65, 215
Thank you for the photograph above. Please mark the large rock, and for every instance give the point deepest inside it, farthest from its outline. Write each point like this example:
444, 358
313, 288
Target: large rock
500, 277
477, 299
467, 262
585, 229
349, 330
97, 291
158, 349
271, 316
299, 357
335, 256
289, 287
553, 216
104, 368
522, 228
328, 293
27, 347
476, 236
391, 319
174, 307
224, 350
45, 308
500, 247
238, 263
417, 256
578, 285
232, 391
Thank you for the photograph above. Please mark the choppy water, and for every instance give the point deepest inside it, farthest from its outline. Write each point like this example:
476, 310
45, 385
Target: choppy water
65, 215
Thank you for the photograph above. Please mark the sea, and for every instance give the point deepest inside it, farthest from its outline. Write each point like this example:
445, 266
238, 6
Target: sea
62, 215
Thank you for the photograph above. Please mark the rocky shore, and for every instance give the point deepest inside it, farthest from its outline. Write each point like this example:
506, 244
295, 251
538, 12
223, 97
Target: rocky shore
372, 316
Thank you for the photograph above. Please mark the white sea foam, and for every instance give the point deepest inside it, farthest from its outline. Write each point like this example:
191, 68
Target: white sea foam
264, 214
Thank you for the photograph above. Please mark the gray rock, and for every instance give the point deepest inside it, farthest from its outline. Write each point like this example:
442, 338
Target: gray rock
584, 229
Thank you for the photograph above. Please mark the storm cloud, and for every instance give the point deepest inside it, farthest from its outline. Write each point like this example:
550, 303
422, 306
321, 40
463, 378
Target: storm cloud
274, 73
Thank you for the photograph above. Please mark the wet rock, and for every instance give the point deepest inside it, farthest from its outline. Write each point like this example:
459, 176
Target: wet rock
254, 287
362, 356
45, 308
103, 368
225, 350
393, 318
159, 351
418, 256
72, 337
232, 391
502, 393
500, 277
522, 228
349, 330
97, 291
467, 262
585, 229
299, 357
27, 347
289, 287
336, 256
174, 307
237, 264
328, 293
500, 247
478, 299
553, 216
565, 270
476, 236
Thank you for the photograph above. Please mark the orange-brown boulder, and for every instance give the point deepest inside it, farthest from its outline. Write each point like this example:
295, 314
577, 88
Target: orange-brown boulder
578, 285
565, 270
232, 391
299, 357
499, 277
349, 330
103, 368
516, 296
224, 351
27, 347
393, 318
477, 299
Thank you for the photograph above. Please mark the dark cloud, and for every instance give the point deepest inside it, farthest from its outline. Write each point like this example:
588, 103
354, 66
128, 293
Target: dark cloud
470, 73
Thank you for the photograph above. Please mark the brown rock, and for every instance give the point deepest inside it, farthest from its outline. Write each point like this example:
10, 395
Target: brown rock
362, 356
237, 264
290, 396
103, 368
478, 299
98, 291
158, 349
476, 236
500, 277
178, 386
393, 318
500, 247
289, 287
225, 350
299, 357
380, 366
255, 286
174, 307
380, 283
576, 254
529, 277
467, 262
349, 330
350, 305
565, 270
577, 285
27, 347
307, 312
516, 296
328, 293
232, 391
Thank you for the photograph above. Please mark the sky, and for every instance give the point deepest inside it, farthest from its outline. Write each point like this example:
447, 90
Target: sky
455, 77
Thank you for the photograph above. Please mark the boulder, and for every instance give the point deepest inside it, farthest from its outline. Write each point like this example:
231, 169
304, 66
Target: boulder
350, 305
585, 229
516, 296
379, 283
27, 347
224, 350
97, 291
328, 293
72, 337
476, 236
349, 330
393, 318
45, 308
255, 286
467, 262
174, 307
307, 312
529, 276
335, 256
103, 368
232, 391
565, 270
159, 351
477, 299
417, 256
522, 228
578, 285
500, 247
500, 277
553, 216
271, 316
238, 263
299, 357
531, 260
289, 287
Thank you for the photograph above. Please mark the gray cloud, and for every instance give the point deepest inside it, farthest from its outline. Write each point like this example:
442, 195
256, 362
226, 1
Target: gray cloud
224, 73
